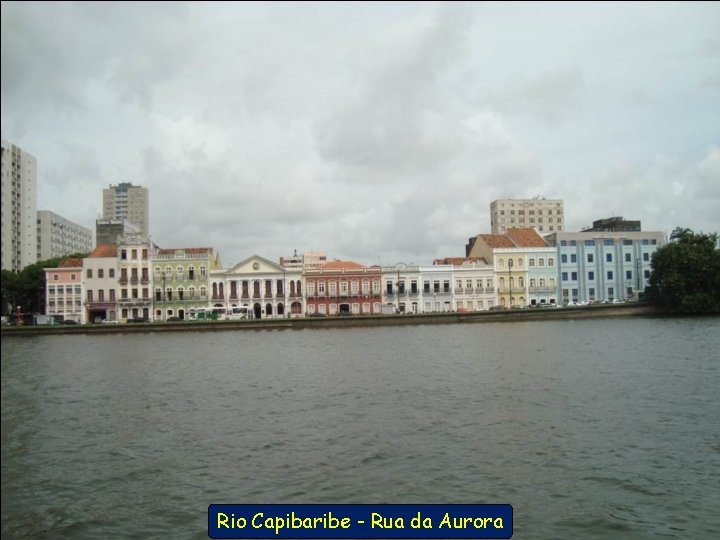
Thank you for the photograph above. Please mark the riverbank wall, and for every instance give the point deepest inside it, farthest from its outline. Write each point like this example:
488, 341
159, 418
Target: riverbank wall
521, 315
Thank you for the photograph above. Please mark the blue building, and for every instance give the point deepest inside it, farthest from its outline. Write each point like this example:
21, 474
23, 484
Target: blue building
603, 265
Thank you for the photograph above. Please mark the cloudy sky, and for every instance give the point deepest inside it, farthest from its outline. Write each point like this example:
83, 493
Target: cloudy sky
379, 132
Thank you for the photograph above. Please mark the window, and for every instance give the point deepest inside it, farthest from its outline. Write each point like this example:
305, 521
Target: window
168, 272
446, 286
531, 262
111, 273
191, 273
436, 286
551, 262
608, 257
89, 295
573, 258
123, 254
145, 254
180, 271
609, 275
203, 272
608, 242
191, 292
563, 242
589, 242
590, 257
203, 291
628, 274
321, 287
646, 257
591, 276
564, 276
112, 295
628, 257
591, 293
573, 276
89, 273
134, 254
181, 293
647, 274
101, 295
101, 273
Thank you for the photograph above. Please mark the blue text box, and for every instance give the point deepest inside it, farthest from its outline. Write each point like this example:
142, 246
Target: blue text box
360, 521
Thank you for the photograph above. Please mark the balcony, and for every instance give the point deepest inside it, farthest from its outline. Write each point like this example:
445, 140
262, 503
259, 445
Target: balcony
542, 289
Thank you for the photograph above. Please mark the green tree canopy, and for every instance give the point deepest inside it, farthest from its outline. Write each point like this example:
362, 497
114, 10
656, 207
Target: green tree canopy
685, 274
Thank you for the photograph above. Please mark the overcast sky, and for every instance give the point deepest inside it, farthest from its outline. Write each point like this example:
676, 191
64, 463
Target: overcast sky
379, 132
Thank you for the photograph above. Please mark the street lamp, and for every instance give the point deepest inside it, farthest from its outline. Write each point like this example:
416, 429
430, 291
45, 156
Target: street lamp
510, 265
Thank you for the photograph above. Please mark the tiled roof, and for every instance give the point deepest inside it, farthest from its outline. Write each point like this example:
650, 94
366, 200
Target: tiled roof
70, 263
342, 265
104, 250
188, 251
526, 237
457, 261
497, 240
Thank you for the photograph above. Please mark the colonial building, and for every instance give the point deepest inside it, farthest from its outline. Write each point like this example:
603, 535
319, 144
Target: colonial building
266, 289
339, 287
181, 280
100, 282
437, 294
604, 265
473, 283
64, 291
133, 255
511, 255
402, 289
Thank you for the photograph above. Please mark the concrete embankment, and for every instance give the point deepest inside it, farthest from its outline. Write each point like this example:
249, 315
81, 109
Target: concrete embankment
521, 315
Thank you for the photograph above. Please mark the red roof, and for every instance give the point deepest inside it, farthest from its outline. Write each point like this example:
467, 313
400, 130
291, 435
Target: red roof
497, 240
526, 237
104, 250
342, 265
70, 263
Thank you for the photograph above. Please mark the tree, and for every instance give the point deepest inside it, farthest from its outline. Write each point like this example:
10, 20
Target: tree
685, 274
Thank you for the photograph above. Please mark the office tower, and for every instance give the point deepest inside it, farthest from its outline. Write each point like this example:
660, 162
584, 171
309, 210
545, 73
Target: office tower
546, 216
129, 202
57, 236
19, 208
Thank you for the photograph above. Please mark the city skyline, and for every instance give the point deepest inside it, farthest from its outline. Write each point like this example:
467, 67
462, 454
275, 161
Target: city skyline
375, 132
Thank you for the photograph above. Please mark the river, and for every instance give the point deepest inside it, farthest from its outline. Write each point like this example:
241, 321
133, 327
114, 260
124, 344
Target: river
589, 429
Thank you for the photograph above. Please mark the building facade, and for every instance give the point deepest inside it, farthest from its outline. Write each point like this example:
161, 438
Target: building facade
604, 266
546, 216
402, 289
59, 237
340, 287
256, 285
100, 283
19, 208
64, 291
524, 265
133, 256
437, 293
129, 202
180, 281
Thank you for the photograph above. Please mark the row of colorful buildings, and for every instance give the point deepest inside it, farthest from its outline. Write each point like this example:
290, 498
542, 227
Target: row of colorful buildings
134, 279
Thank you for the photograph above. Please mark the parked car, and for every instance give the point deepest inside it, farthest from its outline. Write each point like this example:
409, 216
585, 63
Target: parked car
108, 321
68, 321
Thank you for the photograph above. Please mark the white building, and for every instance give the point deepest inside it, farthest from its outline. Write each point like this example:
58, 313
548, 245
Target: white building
268, 290
133, 255
19, 208
100, 283
58, 237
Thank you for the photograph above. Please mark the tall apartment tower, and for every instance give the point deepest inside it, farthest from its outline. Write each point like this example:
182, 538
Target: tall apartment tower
546, 216
129, 202
58, 237
19, 208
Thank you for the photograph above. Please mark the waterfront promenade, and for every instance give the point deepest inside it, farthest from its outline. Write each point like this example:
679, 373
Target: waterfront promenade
569, 313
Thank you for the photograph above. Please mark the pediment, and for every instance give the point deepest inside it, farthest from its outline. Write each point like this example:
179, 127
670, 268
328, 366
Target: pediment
256, 265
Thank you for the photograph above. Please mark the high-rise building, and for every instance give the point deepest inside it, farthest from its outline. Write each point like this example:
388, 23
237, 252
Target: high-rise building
19, 208
546, 216
129, 202
58, 237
